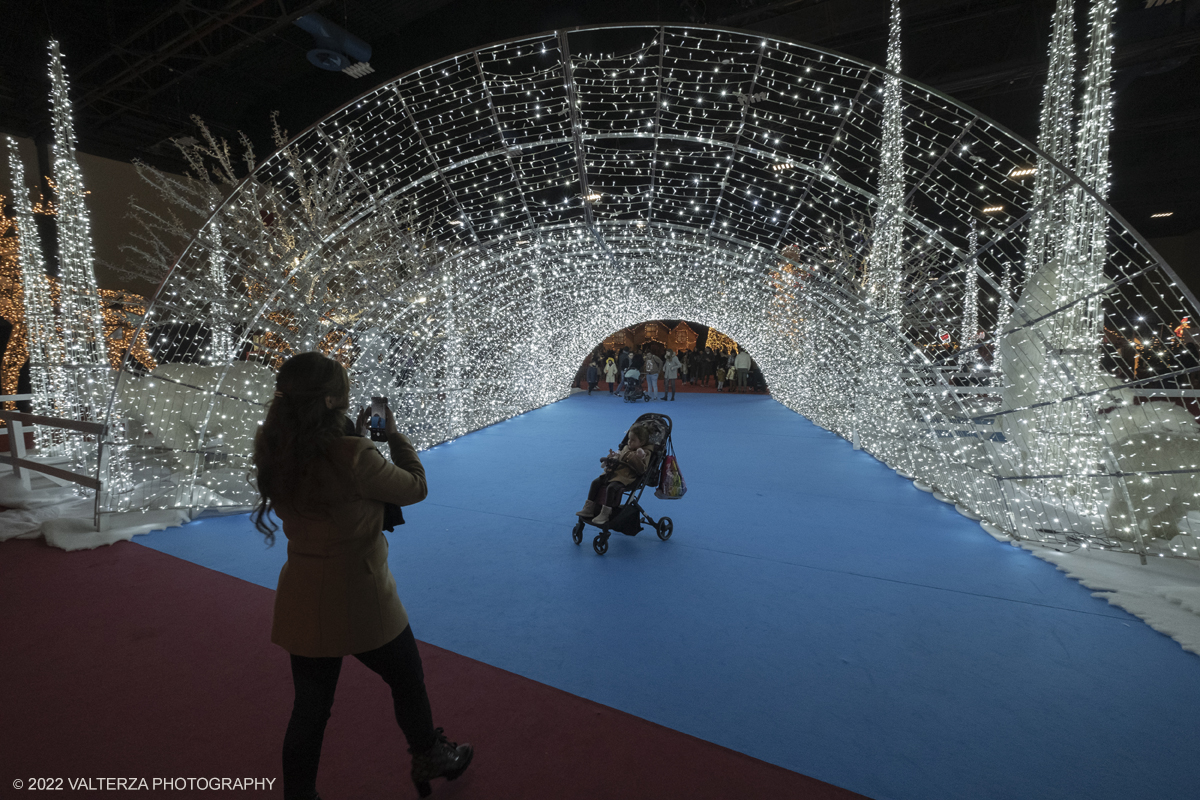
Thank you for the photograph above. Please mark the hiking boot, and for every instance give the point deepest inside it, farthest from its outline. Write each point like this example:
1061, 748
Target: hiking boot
444, 760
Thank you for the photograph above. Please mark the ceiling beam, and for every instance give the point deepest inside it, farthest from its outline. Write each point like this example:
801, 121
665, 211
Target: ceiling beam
217, 58
983, 82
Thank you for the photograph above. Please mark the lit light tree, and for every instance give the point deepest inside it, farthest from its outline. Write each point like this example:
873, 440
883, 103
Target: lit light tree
1003, 320
887, 245
47, 356
1055, 131
12, 307
969, 337
1054, 357
222, 347
80, 318
877, 399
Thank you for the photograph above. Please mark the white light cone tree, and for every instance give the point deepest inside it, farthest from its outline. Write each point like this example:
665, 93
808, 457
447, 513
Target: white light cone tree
80, 319
43, 342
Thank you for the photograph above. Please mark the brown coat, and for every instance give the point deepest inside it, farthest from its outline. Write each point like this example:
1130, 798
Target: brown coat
336, 595
622, 471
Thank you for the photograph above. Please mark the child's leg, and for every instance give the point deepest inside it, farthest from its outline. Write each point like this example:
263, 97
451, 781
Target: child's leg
612, 498
595, 499
597, 491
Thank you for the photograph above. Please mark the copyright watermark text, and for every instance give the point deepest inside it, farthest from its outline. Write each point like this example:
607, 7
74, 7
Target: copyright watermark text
144, 784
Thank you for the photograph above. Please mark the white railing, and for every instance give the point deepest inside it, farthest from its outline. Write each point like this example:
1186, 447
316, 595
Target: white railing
18, 423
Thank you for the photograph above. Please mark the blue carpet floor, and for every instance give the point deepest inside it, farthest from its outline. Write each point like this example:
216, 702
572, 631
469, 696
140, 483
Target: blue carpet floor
813, 609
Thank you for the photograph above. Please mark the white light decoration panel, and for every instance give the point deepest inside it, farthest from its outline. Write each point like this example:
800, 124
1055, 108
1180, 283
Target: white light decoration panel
462, 236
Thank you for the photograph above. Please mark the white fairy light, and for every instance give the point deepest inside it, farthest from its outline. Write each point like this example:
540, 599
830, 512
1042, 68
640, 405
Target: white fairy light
44, 344
463, 236
221, 336
80, 319
968, 338
1003, 320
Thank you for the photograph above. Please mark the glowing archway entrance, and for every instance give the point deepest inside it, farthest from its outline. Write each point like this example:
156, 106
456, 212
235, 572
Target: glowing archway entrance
699, 349
478, 224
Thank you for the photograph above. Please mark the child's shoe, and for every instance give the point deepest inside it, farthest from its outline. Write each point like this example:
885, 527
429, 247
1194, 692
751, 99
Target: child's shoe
589, 510
603, 517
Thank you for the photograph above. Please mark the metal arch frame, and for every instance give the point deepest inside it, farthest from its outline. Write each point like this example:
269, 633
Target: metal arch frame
565, 32
438, 170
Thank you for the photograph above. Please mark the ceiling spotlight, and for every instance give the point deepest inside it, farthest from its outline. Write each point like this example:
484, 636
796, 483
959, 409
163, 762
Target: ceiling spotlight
358, 70
993, 209
1161, 214
336, 48
1022, 172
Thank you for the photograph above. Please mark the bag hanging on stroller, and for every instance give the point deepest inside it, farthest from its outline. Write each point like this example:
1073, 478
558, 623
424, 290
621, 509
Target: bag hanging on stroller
671, 485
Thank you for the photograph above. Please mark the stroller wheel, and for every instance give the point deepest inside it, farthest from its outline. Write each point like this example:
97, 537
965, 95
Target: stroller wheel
646, 397
577, 532
665, 528
600, 545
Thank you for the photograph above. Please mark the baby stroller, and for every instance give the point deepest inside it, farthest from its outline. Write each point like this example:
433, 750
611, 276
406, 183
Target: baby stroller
631, 389
626, 518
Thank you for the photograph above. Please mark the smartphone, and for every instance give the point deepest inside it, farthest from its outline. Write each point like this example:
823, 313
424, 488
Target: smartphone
378, 421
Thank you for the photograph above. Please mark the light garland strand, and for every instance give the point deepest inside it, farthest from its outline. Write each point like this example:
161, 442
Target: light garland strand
465, 235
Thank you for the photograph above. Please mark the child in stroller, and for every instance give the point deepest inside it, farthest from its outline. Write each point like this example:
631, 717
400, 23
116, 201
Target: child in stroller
628, 472
631, 390
620, 470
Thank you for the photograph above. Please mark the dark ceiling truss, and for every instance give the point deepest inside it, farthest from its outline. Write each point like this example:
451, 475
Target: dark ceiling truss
177, 45
1000, 78
140, 71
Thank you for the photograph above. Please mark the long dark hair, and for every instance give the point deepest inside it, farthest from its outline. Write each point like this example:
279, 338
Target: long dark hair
297, 432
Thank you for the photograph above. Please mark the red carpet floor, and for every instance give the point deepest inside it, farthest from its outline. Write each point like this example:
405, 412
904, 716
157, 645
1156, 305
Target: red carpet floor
126, 662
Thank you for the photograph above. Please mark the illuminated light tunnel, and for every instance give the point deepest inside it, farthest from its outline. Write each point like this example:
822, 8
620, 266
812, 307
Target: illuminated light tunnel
906, 272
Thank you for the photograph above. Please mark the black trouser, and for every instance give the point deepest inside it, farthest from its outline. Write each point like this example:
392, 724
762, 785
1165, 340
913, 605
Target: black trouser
398, 662
606, 493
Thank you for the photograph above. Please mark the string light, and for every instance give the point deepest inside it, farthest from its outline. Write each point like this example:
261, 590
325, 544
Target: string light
44, 345
436, 235
80, 320
720, 343
12, 307
970, 318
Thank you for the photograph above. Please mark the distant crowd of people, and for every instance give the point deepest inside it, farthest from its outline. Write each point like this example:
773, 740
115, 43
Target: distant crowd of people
732, 372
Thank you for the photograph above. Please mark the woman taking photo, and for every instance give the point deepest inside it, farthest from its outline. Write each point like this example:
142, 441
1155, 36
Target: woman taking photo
336, 595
